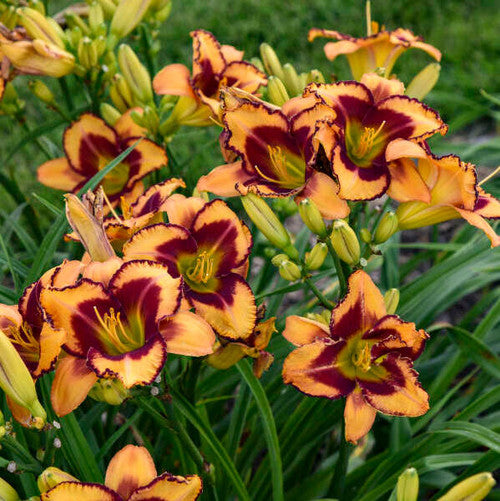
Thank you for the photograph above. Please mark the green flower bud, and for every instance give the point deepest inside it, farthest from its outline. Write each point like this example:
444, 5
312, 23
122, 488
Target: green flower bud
386, 228
7, 493
474, 488
38, 26
108, 8
407, 488
9, 17
312, 218
135, 74
315, 76
276, 91
74, 20
120, 93
96, 16
424, 81
345, 242
291, 80
109, 113
391, 300
365, 235
289, 270
271, 62
315, 259
128, 14
257, 62
110, 391
52, 476
41, 91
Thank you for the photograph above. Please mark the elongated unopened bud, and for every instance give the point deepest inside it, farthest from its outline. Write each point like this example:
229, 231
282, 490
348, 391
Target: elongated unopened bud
276, 91
52, 476
89, 229
315, 76
365, 235
268, 223
316, 257
135, 74
17, 383
271, 62
407, 488
120, 93
391, 301
345, 242
7, 492
42, 92
474, 488
286, 268
127, 16
109, 113
37, 26
312, 218
108, 8
291, 80
96, 16
110, 391
387, 227
424, 81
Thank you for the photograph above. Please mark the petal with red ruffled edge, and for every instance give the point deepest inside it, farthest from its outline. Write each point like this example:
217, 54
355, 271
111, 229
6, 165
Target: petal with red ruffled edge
300, 330
173, 80
392, 388
182, 210
161, 242
222, 180
51, 341
90, 144
153, 200
358, 415
360, 309
395, 335
322, 190
381, 87
243, 75
137, 367
229, 307
186, 333
146, 293
72, 383
218, 232
487, 205
58, 174
260, 134
80, 491
130, 468
170, 487
313, 370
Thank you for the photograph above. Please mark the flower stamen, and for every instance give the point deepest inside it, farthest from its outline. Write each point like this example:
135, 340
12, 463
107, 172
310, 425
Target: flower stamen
203, 268
116, 335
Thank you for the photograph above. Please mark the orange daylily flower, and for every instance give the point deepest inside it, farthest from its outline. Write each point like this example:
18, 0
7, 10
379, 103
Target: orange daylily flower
208, 246
436, 189
131, 476
214, 66
122, 328
278, 153
365, 355
379, 50
370, 115
90, 144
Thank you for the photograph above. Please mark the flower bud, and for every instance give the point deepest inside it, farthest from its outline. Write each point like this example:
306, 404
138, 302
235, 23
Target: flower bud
96, 16
407, 488
109, 113
110, 391
52, 476
120, 93
365, 235
9, 17
312, 218
271, 62
289, 270
276, 91
37, 26
17, 383
149, 119
267, 222
424, 81
162, 10
75, 21
89, 229
42, 92
108, 8
474, 488
7, 493
257, 62
315, 76
135, 74
345, 242
291, 80
226, 356
87, 54
315, 259
391, 300
386, 228
127, 16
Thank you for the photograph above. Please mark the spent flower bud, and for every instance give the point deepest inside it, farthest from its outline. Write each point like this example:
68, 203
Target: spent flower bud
312, 218
407, 487
386, 228
316, 257
391, 301
345, 242
474, 488
135, 74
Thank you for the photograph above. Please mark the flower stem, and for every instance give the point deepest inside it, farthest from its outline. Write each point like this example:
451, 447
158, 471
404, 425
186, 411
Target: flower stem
322, 299
337, 484
338, 268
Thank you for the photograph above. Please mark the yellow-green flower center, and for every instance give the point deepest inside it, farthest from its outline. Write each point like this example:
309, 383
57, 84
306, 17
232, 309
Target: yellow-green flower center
24, 341
289, 169
361, 356
202, 269
364, 143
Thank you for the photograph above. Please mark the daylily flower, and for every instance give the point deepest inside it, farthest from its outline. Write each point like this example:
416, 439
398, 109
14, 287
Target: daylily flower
90, 144
365, 355
207, 245
369, 116
131, 476
278, 153
120, 330
435, 189
379, 50
214, 66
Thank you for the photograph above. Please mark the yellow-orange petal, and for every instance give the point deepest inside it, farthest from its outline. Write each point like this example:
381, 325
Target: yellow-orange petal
334, 49
20, 413
381, 87
222, 180
72, 382
58, 174
339, 95
130, 468
51, 341
126, 127
170, 487
86, 131
173, 80
358, 415
186, 333
478, 221
360, 309
403, 148
322, 190
313, 370
487, 205
138, 367
244, 75
207, 55
406, 183
10, 316
81, 492
231, 53
301, 330
146, 157
181, 210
